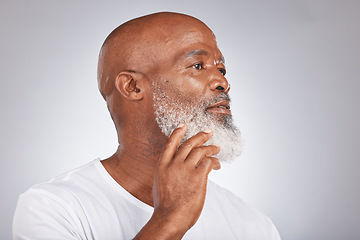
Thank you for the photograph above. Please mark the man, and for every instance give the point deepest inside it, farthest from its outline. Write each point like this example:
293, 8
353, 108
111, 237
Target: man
162, 77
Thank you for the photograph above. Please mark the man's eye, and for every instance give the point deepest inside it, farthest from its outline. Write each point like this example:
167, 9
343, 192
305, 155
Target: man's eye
223, 71
199, 66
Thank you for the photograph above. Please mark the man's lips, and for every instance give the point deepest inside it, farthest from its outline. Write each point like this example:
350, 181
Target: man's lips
220, 107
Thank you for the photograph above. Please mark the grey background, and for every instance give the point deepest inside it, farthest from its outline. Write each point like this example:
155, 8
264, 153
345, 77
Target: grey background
294, 73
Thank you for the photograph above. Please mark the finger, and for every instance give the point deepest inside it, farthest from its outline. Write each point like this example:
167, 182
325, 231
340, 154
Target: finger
197, 154
172, 145
193, 142
207, 164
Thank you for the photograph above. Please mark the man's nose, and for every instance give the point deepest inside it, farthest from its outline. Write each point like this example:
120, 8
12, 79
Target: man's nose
218, 82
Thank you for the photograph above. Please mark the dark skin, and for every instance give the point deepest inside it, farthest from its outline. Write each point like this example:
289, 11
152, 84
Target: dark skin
179, 53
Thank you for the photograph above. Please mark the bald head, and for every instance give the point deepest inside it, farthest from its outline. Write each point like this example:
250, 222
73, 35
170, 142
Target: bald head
140, 44
162, 54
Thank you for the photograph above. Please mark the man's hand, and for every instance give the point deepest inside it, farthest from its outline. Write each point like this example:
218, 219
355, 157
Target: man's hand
180, 185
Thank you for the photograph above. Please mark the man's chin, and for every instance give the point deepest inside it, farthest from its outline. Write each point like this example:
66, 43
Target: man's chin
220, 119
230, 142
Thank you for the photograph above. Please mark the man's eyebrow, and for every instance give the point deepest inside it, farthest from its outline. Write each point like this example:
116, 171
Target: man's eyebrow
198, 52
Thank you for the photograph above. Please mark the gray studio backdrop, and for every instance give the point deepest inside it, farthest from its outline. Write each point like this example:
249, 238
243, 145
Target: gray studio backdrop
294, 73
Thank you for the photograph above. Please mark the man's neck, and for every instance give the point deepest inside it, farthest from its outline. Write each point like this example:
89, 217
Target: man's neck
133, 168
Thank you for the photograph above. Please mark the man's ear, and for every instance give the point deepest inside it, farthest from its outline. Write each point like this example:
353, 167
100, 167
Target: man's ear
130, 85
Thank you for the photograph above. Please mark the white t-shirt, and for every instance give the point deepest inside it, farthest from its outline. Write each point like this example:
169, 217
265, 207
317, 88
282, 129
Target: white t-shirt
87, 203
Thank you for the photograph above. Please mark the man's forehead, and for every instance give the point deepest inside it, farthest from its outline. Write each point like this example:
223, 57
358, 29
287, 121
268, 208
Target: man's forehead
198, 41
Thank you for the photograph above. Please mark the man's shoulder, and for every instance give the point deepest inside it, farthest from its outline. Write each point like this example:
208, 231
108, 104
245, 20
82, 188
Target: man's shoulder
240, 215
231, 203
63, 187
56, 204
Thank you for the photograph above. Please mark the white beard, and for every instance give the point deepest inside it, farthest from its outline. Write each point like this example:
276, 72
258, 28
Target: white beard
170, 112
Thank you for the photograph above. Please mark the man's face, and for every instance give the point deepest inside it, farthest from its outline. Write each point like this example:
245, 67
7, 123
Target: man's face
192, 89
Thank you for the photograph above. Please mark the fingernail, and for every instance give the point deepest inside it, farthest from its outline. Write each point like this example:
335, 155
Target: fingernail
217, 145
207, 130
180, 125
